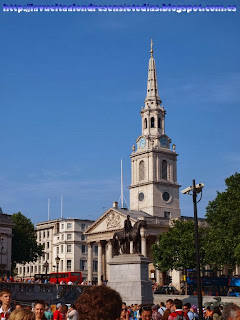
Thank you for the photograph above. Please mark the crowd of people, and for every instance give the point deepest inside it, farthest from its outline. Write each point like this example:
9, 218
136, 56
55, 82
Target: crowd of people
104, 303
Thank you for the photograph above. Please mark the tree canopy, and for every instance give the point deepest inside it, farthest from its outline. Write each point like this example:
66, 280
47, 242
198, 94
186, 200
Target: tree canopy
24, 242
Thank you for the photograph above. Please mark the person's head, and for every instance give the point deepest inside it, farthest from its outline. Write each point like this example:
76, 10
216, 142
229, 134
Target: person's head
231, 312
208, 308
186, 307
72, 307
193, 308
18, 306
5, 297
39, 309
155, 308
217, 311
22, 314
99, 302
169, 304
64, 309
145, 313
177, 304
59, 307
162, 304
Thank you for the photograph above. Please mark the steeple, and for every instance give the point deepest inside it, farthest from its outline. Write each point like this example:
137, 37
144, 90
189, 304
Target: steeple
152, 87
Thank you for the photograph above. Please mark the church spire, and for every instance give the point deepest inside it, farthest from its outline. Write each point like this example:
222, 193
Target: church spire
152, 87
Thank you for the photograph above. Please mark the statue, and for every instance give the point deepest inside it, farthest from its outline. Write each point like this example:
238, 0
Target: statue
121, 239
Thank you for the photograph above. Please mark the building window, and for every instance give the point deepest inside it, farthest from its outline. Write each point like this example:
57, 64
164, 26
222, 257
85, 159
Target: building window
83, 226
145, 123
47, 245
152, 122
47, 256
61, 248
48, 234
62, 226
43, 234
69, 248
62, 236
83, 265
69, 225
83, 248
83, 237
61, 265
159, 122
28, 269
164, 169
69, 265
57, 250
96, 250
167, 214
31, 269
57, 238
141, 170
35, 268
95, 266
69, 236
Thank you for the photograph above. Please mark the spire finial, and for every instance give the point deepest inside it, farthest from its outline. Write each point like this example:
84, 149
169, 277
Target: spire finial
151, 51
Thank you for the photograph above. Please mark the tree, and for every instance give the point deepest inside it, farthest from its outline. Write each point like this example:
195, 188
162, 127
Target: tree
24, 242
223, 218
176, 248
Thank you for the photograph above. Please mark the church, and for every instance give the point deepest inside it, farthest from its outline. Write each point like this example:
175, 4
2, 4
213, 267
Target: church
154, 190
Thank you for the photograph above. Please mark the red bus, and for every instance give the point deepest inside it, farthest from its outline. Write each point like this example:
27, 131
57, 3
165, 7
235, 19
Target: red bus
74, 277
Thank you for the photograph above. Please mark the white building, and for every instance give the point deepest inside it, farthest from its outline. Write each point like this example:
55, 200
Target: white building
5, 243
64, 238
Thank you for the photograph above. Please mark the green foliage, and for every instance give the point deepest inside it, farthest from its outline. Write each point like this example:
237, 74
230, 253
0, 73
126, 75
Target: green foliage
176, 248
223, 217
24, 241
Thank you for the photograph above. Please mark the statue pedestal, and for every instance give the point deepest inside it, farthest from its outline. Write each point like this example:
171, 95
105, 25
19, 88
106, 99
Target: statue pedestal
128, 275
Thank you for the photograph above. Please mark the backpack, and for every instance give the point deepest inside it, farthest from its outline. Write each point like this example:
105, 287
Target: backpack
180, 317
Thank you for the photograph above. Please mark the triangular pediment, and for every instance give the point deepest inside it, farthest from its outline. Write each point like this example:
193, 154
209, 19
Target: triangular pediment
111, 220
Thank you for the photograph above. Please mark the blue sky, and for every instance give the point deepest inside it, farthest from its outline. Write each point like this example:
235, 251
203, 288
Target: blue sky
72, 86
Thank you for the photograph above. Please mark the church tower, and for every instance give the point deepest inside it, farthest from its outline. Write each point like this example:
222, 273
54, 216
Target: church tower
154, 188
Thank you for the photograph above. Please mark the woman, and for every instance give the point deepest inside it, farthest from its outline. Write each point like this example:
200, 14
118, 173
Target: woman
39, 309
65, 311
217, 315
22, 314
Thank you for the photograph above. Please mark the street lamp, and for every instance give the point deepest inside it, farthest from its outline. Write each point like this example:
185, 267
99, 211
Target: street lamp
195, 189
57, 262
46, 264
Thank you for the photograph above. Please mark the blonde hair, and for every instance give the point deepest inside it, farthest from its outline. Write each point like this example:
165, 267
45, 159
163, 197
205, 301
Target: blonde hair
22, 314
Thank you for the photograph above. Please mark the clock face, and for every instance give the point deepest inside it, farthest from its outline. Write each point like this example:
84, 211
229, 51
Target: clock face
141, 196
142, 143
163, 142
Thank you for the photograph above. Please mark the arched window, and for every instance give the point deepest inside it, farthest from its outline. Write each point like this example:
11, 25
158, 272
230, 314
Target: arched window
164, 169
152, 122
159, 122
145, 123
141, 170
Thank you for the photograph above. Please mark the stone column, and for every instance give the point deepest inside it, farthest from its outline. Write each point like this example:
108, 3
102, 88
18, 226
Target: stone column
90, 262
158, 276
143, 242
131, 247
99, 263
109, 255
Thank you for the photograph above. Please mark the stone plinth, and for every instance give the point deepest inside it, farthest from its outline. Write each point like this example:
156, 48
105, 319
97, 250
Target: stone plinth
128, 275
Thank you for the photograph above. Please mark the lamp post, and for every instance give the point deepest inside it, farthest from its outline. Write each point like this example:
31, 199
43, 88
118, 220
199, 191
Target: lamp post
57, 262
195, 189
46, 264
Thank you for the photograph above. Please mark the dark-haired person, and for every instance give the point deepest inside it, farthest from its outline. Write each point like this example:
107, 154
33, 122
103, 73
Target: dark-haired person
169, 306
186, 308
72, 313
217, 315
145, 313
177, 311
231, 312
99, 303
39, 309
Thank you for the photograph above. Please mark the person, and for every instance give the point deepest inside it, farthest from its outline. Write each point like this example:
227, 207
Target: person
22, 314
186, 308
209, 313
65, 311
39, 309
18, 306
48, 312
155, 312
145, 313
194, 311
72, 313
169, 306
127, 227
5, 298
178, 313
231, 312
162, 308
58, 314
98, 303
217, 315
127, 313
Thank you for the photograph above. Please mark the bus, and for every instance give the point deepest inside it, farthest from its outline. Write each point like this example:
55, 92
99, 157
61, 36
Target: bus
74, 277
42, 277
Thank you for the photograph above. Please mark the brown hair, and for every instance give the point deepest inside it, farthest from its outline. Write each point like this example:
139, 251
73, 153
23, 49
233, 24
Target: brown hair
98, 303
22, 314
4, 291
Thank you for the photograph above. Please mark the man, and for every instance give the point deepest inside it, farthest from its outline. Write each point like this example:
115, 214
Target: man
162, 308
231, 312
169, 306
145, 313
39, 309
127, 227
58, 314
98, 303
124, 307
5, 298
48, 312
186, 308
178, 313
155, 312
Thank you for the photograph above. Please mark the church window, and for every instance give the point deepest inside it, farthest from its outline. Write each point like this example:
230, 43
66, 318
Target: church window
164, 169
145, 122
167, 214
141, 170
152, 122
159, 122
